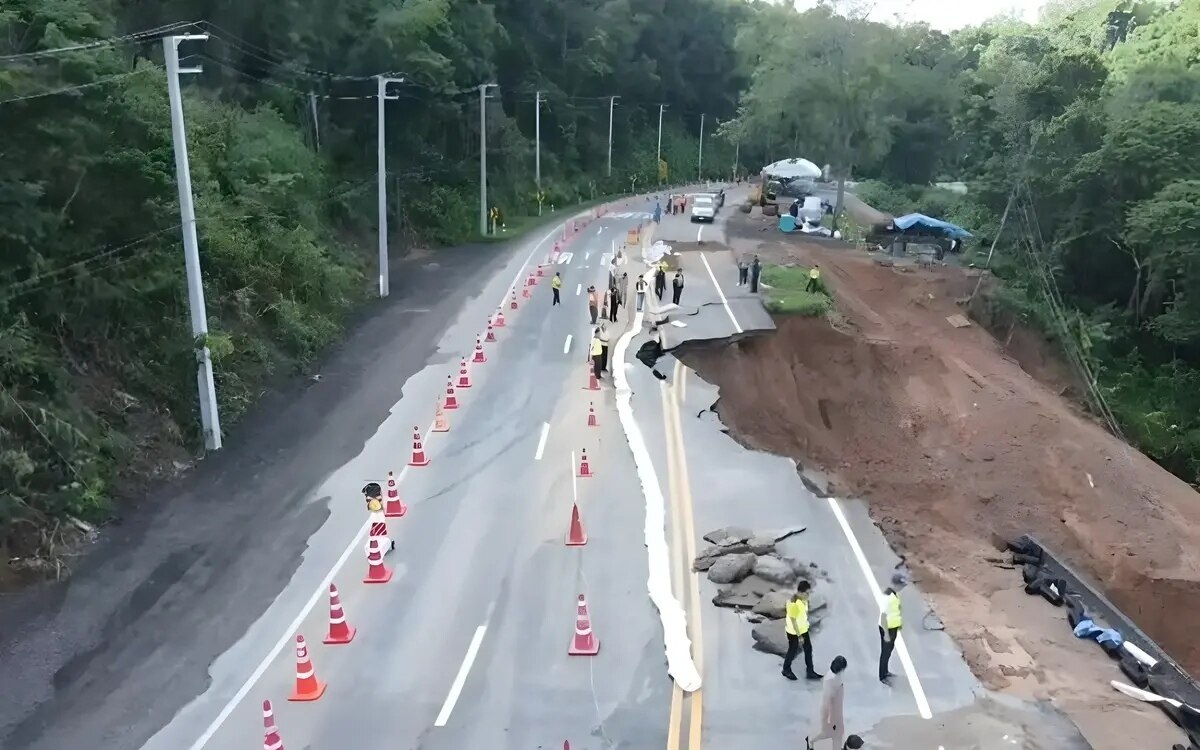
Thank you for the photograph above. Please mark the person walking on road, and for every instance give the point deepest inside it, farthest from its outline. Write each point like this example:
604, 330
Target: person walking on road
755, 270
677, 287
814, 274
639, 295
657, 212
743, 272
660, 280
596, 352
795, 624
556, 287
890, 622
593, 304
828, 723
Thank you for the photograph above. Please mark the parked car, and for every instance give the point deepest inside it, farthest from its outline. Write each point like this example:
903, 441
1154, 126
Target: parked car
704, 207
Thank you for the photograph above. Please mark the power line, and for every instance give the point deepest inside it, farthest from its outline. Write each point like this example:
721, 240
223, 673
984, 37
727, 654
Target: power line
116, 41
76, 87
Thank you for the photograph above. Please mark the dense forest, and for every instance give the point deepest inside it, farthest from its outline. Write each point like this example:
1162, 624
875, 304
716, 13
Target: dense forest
1076, 136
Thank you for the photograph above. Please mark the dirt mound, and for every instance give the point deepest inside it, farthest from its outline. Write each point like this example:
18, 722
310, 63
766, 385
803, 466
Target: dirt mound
951, 442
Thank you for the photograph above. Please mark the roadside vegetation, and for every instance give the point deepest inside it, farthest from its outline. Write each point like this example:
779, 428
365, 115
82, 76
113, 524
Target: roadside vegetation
785, 290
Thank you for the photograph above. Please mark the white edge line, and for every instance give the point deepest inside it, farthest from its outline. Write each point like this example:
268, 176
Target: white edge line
290, 632
721, 293
542, 442
578, 289
910, 670
461, 678
567, 345
699, 231
587, 255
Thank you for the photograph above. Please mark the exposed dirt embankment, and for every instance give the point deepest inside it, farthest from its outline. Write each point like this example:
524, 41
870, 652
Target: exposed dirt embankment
950, 442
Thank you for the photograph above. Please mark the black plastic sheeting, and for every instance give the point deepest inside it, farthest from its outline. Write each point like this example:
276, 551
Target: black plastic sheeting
1046, 575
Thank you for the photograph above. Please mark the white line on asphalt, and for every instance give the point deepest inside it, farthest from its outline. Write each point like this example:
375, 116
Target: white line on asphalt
567, 345
587, 255
545, 432
599, 230
578, 289
290, 632
699, 231
724, 301
910, 670
461, 679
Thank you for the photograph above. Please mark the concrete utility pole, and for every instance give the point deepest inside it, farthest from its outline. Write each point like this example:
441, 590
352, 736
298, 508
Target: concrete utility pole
537, 136
612, 102
737, 150
483, 212
700, 158
210, 420
381, 96
658, 157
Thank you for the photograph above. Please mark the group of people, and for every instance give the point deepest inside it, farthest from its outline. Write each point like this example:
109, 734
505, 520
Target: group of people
829, 722
748, 273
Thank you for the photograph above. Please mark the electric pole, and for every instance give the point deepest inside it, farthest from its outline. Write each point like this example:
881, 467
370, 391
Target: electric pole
658, 157
537, 139
382, 96
700, 158
483, 212
737, 150
612, 102
210, 420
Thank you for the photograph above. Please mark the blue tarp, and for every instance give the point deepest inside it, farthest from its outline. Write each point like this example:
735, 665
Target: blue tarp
929, 224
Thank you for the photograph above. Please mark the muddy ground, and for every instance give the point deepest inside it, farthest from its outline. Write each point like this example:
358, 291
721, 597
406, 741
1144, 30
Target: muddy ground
953, 437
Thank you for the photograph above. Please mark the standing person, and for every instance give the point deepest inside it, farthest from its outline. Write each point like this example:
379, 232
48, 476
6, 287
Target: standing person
828, 723
639, 296
660, 280
657, 211
556, 287
677, 286
605, 340
814, 273
755, 270
593, 304
596, 351
743, 271
614, 302
889, 629
795, 624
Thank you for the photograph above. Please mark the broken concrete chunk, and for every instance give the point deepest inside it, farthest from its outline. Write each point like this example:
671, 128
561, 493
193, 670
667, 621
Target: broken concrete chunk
770, 568
773, 605
761, 545
770, 637
731, 597
709, 555
790, 531
731, 568
728, 535
816, 603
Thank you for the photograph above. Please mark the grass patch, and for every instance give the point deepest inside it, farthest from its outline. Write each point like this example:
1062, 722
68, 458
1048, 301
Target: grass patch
786, 292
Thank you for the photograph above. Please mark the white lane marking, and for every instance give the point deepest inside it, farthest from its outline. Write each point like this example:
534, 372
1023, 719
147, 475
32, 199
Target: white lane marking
910, 670
461, 678
587, 255
290, 632
578, 289
724, 301
567, 345
599, 230
545, 433
564, 258
699, 232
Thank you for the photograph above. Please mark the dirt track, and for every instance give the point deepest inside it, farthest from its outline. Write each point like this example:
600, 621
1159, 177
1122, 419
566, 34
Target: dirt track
951, 441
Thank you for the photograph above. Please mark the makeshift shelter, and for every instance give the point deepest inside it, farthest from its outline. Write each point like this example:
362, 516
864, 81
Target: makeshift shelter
921, 230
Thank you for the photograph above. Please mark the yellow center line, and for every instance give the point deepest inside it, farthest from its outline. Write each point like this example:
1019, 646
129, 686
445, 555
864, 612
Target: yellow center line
675, 719
697, 712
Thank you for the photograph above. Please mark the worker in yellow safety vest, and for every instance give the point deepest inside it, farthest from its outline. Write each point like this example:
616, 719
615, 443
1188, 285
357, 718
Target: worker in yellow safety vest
795, 624
597, 353
814, 274
556, 287
889, 630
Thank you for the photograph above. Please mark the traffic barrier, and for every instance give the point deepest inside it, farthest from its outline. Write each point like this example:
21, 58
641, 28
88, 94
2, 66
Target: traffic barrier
464, 378
592, 416
394, 507
585, 642
308, 687
451, 399
498, 318
377, 572
379, 532
418, 453
491, 335
576, 535
340, 631
271, 738
440, 423
480, 358
585, 469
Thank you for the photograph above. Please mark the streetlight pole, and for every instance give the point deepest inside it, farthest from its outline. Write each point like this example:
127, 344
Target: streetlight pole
612, 102
737, 150
537, 135
700, 158
483, 87
381, 97
658, 156
210, 420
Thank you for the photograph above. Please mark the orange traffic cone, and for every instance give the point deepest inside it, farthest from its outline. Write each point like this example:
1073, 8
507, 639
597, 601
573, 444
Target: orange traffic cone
513, 305
308, 687
541, 267
585, 469
418, 458
451, 399
440, 424
592, 416
525, 293
593, 383
340, 631
271, 739
498, 321
394, 507
464, 379
529, 279
491, 335
479, 357
585, 643
576, 536
377, 572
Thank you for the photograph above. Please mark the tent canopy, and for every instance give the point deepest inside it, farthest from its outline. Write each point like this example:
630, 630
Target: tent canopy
792, 168
931, 225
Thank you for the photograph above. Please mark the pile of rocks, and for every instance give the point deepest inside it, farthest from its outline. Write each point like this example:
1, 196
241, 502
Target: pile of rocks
757, 580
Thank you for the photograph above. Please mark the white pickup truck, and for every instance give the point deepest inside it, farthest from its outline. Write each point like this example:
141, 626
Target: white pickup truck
704, 207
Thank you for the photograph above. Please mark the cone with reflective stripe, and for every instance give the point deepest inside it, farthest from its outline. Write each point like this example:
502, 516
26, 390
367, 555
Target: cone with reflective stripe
440, 423
340, 631
379, 533
576, 536
377, 572
451, 399
464, 379
585, 469
308, 687
593, 384
525, 293
418, 458
394, 507
592, 416
498, 320
479, 356
491, 335
585, 643
271, 739
513, 305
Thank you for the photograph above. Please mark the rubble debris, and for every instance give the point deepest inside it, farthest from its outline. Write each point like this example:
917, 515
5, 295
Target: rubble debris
731, 568
775, 570
773, 605
760, 545
728, 536
790, 531
709, 555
